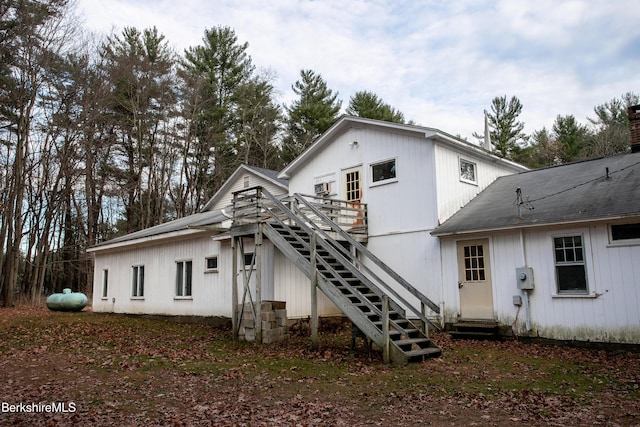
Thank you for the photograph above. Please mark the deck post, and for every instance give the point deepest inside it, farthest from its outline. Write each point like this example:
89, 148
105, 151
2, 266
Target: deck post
425, 327
314, 292
234, 288
385, 329
258, 260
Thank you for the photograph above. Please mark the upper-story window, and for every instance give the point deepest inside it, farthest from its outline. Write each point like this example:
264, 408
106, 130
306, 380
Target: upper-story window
468, 172
384, 171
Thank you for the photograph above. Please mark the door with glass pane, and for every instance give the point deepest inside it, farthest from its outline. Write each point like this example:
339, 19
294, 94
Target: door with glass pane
474, 283
352, 179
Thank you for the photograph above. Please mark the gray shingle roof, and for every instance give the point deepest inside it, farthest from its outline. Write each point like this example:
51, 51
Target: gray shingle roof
195, 220
574, 192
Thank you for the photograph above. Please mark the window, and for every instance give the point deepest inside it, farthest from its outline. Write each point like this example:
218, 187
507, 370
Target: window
211, 263
138, 281
184, 270
245, 181
352, 181
105, 282
623, 233
474, 269
468, 171
248, 260
571, 274
383, 171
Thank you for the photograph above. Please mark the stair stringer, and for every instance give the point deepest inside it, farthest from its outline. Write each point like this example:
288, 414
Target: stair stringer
341, 300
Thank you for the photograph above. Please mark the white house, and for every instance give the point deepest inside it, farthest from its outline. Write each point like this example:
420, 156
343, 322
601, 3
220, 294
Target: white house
412, 178
551, 252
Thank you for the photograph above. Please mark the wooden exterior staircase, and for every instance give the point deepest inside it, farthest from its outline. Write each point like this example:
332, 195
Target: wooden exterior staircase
314, 236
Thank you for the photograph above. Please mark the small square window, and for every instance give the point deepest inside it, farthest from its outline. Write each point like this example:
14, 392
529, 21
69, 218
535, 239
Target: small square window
383, 171
248, 260
468, 171
211, 263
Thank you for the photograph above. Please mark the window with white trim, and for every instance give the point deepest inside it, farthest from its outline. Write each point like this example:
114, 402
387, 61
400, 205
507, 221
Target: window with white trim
468, 171
570, 265
184, 274
137, 282
384, 171
625, 233
211, 263
105, 282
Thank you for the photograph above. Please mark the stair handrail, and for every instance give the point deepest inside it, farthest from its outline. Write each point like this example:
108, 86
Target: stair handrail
362, 249
261, 192
351, 260
338, 253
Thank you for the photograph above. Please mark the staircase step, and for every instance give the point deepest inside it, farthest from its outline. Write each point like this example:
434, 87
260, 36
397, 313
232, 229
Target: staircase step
411, 341
423, 353
480, 330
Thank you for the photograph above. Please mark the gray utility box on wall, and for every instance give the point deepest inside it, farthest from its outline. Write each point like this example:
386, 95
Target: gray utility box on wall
524, 278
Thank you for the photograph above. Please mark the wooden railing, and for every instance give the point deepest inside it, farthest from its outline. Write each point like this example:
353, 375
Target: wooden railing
320, 216
251, 206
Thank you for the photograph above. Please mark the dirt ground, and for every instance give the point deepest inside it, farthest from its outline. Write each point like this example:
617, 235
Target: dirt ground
93, 369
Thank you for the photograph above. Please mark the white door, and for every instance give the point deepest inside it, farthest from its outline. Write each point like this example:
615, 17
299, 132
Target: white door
474, 283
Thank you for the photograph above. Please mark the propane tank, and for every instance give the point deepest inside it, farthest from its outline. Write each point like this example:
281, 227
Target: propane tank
67, 301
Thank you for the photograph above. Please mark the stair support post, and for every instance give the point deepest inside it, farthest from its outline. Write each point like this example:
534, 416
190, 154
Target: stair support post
385, 329
258, 261
425, 327
234, 288
314, 291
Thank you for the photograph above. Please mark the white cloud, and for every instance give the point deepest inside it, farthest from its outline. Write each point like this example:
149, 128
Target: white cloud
440, 63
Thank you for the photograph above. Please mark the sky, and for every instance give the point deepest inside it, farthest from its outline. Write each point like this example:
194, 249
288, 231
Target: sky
439, 62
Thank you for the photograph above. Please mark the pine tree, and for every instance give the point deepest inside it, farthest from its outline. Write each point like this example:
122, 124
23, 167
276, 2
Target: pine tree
310, 115
368, 104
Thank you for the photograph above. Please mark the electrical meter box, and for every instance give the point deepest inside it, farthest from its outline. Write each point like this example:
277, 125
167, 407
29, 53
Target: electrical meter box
524, 278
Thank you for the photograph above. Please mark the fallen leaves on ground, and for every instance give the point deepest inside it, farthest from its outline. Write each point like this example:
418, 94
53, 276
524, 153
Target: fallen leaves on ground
127, 370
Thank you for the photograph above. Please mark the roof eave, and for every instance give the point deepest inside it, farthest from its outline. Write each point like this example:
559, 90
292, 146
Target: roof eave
152, 240
435, 232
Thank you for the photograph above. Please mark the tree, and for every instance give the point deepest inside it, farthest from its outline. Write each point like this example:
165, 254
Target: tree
315, 110
260, 122
31, 38
571, 136
543, 151
369, 105
139, 67
213, 75
505, 129
611, 123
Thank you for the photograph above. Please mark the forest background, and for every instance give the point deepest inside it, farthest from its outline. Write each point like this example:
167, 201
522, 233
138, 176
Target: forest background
100, 137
